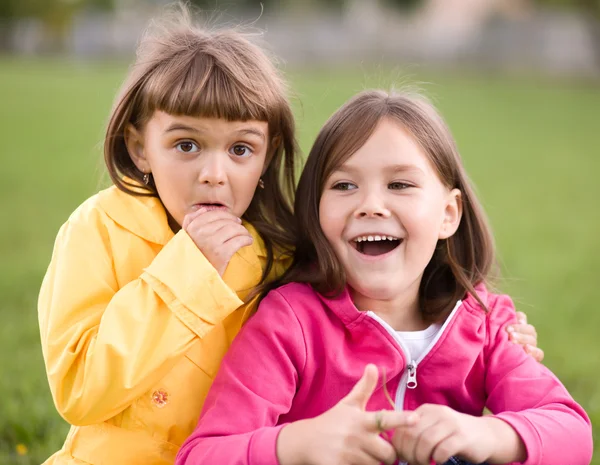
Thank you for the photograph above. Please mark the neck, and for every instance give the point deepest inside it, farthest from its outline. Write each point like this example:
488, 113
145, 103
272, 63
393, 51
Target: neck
401, 312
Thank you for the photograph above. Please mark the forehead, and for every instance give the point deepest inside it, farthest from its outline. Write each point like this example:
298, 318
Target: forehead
167, 123
389, 147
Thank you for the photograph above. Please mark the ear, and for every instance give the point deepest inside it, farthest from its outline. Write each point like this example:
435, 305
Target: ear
452, 214
134, 141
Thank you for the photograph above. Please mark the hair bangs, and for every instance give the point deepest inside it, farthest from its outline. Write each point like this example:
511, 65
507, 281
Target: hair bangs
203, 87
350, 128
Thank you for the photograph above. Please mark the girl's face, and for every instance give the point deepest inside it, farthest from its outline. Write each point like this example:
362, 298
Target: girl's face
383, 212
201, 161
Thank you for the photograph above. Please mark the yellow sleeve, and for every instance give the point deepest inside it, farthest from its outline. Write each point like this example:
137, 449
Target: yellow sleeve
105, 345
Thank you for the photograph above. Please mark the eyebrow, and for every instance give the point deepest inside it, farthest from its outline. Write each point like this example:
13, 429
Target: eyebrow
252, 131
349, 169
183, 127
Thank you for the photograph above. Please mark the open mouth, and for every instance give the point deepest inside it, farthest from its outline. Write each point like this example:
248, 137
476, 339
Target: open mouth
375, 244
211, 206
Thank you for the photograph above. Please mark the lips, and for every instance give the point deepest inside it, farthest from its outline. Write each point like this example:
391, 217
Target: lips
210, 206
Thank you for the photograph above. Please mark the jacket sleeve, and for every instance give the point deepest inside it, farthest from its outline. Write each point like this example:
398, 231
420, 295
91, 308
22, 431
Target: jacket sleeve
105, 343
529, 397
255, 385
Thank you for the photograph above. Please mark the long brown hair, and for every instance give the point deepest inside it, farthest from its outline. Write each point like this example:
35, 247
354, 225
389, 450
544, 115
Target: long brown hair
458, 264
183, 69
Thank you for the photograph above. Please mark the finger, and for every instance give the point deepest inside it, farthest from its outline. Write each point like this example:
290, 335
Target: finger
381, 450
428, 441
447, 448
385, 420
525, 328
217, 232
233, 245
522, 318
535, 352
362, 390
208, 216
523, 339
428, 416
360, 457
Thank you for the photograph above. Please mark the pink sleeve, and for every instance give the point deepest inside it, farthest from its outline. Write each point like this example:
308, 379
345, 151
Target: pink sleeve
255, 385
529, 397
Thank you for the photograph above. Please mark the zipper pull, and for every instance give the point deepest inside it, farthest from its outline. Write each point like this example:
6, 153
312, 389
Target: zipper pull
411, 383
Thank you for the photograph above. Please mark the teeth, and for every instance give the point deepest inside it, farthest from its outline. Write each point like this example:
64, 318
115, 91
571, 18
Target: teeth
375, 238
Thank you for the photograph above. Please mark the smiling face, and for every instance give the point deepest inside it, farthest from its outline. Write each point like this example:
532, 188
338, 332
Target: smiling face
383, 212
197, 161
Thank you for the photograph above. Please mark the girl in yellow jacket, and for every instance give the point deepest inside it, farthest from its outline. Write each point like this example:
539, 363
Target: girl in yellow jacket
145, 289
152, 278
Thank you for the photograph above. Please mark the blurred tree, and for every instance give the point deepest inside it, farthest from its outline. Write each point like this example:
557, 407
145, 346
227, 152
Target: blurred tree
404, 4
591, 8
56, 16
212, 4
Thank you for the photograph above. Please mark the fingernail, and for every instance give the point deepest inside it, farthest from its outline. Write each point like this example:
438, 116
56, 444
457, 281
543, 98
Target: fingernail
510, 329
527, 348
413, 417
521, 321
514, 336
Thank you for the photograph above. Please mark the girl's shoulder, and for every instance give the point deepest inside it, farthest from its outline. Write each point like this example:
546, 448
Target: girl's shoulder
112, 208
499, 310
294, 294
297, 300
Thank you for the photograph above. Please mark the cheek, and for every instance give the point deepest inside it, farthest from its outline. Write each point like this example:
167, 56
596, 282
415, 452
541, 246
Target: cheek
330, 219
424, 216
243, 180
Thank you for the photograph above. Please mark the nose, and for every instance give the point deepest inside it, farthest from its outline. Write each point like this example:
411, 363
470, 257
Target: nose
213, 170
372, 205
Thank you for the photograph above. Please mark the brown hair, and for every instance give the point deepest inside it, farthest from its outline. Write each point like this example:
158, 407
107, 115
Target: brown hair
458, 264
182, 69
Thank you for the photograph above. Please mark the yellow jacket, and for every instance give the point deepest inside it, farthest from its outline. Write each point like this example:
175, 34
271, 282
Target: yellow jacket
134, 323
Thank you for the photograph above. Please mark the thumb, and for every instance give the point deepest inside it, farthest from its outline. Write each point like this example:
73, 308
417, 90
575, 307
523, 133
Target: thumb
363, 389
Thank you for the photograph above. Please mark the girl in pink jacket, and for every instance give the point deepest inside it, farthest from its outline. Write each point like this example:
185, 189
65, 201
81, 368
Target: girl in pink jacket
388, 288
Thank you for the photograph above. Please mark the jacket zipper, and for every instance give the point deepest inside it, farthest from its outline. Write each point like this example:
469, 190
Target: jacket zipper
409, 377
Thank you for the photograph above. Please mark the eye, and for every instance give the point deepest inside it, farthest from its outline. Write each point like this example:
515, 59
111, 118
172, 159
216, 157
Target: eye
187, 147
398, 185
240, 150
344, 186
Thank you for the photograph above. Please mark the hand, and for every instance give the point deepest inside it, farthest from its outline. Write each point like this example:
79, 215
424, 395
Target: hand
442, 433
525, 335
218, 234
346, 434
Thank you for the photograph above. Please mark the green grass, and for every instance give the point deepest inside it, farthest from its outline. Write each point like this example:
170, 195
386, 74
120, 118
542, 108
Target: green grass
532, 149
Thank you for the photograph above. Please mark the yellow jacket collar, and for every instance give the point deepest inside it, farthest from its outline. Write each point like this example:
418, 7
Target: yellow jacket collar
146, 217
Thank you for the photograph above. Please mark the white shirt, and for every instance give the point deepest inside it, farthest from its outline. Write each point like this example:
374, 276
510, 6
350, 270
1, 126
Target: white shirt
418, 341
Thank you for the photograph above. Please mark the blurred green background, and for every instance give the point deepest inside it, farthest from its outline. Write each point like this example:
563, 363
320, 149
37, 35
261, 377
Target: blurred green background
520, 89
531, 147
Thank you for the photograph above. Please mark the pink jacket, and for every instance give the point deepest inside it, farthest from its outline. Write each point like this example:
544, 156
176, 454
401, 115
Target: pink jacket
301, 353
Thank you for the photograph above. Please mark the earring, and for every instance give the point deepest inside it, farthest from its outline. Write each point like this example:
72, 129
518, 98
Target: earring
261, 183
146, 178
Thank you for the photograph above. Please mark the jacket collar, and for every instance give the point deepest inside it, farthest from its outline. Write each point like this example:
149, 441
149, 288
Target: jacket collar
146, 217
343, 306
143, 216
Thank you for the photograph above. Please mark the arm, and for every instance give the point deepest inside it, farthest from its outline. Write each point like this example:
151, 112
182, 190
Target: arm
255, 385
528, 397
105, 345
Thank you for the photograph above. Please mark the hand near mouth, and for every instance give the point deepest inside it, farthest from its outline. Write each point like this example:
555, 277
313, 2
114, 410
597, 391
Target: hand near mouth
218, 234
